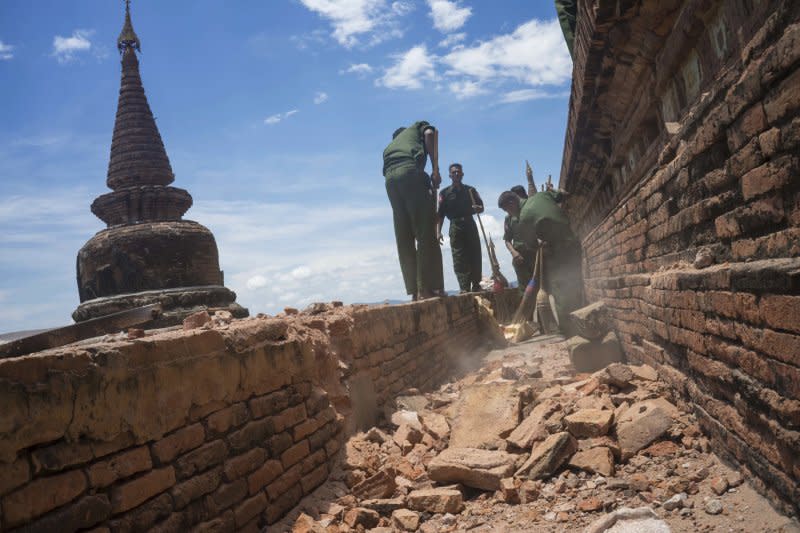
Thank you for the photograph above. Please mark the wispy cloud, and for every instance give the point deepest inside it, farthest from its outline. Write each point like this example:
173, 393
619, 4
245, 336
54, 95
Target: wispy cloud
359, 69
320, 97
410, 70
66, 48
448, 15
466, 89
353, 20
6, 51
452, 40
274, 119
524, 95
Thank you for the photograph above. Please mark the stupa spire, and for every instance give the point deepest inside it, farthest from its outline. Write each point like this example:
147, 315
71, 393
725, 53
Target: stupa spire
128, 37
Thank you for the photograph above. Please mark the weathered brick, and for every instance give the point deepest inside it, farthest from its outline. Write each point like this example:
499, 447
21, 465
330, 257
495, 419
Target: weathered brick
222, 524
175, 523
314, 479
285, 501
226, 496
284, 482
295, 454
770, 142
120, 466
783, 99
750, 218
137, 491
305, 428
770, 176
13, 475
290, 417
42, 495
241, 465
748, 125
201, 459
279, 443
314, 460
781, 312
221, 421
264, 475
180, 441
59, 456
195, 487
143, 517
253, 434
269, 404
82, 514
249, 509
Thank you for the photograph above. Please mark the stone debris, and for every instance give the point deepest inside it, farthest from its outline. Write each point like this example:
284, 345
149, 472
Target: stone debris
196, 320
588, 355
545, 454
592, 321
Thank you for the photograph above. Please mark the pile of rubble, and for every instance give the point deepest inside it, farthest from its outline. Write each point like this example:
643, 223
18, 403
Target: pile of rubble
506, 449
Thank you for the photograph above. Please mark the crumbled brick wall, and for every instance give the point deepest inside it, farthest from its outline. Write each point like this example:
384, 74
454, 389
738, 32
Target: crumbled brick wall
721, 173
221, 429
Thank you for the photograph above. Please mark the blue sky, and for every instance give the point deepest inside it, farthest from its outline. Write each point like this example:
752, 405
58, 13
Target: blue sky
274, 114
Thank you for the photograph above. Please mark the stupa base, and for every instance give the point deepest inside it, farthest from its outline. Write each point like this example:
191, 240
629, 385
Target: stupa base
177, 304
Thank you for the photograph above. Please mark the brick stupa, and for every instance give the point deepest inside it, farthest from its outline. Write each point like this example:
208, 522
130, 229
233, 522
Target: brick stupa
148, 253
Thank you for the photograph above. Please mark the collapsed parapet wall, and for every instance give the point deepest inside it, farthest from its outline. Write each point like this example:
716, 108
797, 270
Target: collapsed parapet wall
683, 137
226, 428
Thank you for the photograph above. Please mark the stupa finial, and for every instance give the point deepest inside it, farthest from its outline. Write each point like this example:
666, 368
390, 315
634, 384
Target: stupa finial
128, 38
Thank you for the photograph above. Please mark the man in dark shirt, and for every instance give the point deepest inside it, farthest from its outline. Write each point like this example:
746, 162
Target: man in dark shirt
522, 255
459, 202
411, 193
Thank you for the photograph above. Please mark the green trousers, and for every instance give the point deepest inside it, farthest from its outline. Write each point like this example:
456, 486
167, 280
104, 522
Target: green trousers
524, 270
567, 11
563, 279
466, 247
414, 213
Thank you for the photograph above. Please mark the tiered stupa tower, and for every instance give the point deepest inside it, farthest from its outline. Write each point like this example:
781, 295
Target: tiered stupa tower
148, 253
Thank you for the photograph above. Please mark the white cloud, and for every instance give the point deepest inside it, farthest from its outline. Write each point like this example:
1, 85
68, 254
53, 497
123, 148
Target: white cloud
466, 89
523, 95
256, 282
359, 69
6, 51
354, 19
320, 97
452, 39
65, 48
448, 15
410, 69
534, 54
274, 119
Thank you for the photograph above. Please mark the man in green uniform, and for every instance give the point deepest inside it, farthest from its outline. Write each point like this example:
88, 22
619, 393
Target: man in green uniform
522, 256
412, 195
459, 202
542, 222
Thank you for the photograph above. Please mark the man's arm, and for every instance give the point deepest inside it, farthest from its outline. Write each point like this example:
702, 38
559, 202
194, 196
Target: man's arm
432, 147
478, 205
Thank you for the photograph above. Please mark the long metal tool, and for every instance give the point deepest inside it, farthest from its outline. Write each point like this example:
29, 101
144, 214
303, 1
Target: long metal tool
496, 274
82, 330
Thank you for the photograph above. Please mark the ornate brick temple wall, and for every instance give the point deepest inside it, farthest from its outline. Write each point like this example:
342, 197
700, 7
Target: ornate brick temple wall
683, 137
224, 428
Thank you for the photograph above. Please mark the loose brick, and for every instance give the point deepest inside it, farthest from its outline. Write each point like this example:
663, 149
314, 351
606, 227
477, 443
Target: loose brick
135, 492
253, 434
201, 459
264, 475
14, 475
121, 466
179, 442
226, 496
290, 417
221, 421
42, 495
195, 487
60, 456
241, 465
295, 454
269, 404
84, 513
249, 509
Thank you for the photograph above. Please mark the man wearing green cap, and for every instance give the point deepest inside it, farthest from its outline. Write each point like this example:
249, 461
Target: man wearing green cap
412, 195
